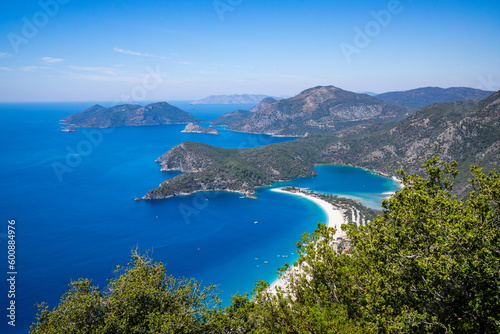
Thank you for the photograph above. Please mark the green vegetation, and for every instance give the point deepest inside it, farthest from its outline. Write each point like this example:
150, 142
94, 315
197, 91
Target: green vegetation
430, 263
231, 169
142, 300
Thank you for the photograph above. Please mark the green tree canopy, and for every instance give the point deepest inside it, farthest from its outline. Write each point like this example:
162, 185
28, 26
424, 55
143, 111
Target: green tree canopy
143, 299
430, 263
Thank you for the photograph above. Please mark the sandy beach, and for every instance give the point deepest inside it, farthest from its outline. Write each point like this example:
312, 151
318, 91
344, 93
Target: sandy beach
334, 219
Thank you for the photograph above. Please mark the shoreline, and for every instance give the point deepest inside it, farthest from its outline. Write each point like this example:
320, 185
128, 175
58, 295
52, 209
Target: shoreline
335, 218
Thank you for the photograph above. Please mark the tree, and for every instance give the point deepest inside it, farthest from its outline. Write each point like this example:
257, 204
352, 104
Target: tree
143, 299
429, 263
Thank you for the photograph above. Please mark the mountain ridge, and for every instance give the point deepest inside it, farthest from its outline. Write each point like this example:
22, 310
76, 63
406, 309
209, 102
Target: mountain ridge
231, 99
425, 96
318, 109
468, 132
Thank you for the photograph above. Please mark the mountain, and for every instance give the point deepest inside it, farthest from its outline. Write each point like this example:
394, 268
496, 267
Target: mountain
239, 115
422, 97
319, 109
264, 103
194, 128
231, 99
467, 132
130, 115
231, 118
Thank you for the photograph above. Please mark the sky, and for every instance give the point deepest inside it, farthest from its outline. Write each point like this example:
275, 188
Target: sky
131, 50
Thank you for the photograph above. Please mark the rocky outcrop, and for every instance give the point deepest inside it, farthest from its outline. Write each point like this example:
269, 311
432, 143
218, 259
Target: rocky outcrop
194, 128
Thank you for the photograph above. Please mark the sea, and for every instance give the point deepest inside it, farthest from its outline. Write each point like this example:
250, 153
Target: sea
67, 208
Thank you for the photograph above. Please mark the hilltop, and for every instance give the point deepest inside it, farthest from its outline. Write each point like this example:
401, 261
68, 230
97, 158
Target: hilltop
423, 97
264, 103
130, 115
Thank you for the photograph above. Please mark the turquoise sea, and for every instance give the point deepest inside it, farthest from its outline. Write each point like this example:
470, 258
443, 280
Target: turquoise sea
71, 195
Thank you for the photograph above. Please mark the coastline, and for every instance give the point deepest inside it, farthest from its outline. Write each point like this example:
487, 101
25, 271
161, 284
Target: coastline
335, 218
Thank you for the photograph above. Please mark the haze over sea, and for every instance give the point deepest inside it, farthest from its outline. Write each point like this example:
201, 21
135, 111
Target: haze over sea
82, 221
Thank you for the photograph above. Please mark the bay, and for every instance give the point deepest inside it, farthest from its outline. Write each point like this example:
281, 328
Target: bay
72, 197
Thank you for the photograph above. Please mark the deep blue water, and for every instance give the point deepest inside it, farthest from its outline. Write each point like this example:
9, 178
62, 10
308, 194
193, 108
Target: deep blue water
72, 197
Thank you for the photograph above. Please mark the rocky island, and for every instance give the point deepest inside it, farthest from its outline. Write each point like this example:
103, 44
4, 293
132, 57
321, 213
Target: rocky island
194, 128
130, 115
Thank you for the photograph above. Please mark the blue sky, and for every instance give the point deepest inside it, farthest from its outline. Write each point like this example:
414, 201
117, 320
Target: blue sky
75, 50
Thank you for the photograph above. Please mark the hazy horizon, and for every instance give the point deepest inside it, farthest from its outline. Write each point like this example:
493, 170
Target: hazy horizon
70, 50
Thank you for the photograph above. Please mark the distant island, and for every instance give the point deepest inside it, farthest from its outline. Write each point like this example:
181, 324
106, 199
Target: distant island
231, 99
130, 115
194, 128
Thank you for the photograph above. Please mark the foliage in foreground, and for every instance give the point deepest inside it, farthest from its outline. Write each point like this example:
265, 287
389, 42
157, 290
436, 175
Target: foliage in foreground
142, 300
429, 264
